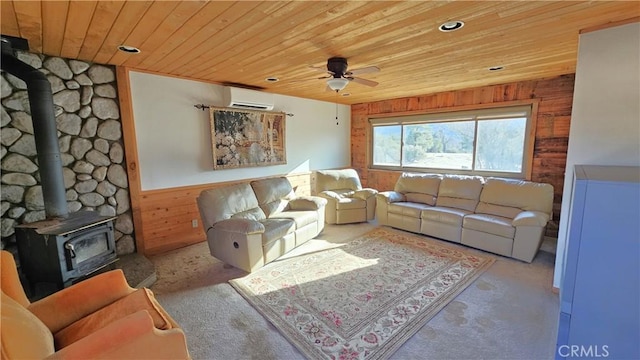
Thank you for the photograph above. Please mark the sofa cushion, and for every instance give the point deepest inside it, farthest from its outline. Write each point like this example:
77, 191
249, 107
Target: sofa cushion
519, 194
346, 179
427, 184
498, 210
141, 299
349, 203
24, 336
407, 208
421, 198
276, 228
365, 194
273, 194
307, 203
449, 216
252, 214
460, 191
222, 203
491, 224
301, 218
337, 193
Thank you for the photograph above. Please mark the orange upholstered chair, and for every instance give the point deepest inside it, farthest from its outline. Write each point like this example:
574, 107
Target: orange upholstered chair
99, 318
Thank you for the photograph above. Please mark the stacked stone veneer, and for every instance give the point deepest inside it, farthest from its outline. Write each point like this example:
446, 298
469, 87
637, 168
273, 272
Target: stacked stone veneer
91, 146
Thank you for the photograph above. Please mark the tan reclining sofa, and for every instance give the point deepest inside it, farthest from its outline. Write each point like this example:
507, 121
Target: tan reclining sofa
251, 224
503, 216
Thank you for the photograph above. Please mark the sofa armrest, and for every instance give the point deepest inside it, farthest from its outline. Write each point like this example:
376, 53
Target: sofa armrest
132, 337
365, 193
330, 195
390, 196
71, 304
530, 218
240, 226
307, 203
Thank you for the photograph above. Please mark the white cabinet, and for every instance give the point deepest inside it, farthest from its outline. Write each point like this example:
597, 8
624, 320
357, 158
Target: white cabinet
599, 294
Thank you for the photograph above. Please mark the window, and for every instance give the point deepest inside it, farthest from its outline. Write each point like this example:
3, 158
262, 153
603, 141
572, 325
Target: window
490, 142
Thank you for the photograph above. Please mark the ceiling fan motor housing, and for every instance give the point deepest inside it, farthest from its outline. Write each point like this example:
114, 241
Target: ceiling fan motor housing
338, 66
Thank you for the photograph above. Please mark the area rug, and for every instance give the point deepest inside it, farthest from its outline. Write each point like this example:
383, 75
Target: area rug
364, 299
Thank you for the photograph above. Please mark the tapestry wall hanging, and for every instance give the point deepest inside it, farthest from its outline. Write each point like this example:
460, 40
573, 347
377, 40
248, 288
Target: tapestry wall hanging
246, 138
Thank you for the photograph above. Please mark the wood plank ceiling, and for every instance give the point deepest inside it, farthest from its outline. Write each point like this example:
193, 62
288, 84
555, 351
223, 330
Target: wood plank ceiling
248, 41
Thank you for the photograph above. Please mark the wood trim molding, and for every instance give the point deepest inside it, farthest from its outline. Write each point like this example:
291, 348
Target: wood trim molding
131, 151
531, 136
502, 104
609, 25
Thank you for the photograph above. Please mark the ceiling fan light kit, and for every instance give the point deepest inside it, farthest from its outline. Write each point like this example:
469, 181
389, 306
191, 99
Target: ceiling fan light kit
337, 84
339, 76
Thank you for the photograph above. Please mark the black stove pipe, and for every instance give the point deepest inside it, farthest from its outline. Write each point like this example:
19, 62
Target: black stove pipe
44, 131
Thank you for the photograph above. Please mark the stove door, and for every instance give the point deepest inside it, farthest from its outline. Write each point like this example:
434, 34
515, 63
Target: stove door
89, 249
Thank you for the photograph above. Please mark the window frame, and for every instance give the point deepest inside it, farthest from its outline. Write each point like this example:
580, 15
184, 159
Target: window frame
461, 113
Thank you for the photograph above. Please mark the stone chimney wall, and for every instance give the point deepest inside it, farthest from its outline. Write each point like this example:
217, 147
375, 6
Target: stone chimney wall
91, 146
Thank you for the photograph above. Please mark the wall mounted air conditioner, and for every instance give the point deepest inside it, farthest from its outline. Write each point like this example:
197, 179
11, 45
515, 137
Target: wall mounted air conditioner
246, 99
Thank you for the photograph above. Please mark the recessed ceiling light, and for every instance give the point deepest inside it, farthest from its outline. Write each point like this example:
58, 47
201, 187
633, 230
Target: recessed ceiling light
496, 68
451, 26
272, 79
129, 49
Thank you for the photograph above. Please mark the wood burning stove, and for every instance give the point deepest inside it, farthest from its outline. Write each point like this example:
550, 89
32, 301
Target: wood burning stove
66, 250
65, 247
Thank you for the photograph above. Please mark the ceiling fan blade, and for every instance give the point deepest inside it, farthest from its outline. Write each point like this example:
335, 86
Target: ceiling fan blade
364, 70
363, 81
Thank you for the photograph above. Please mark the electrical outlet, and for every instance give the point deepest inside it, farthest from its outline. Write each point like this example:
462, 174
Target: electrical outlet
194, 223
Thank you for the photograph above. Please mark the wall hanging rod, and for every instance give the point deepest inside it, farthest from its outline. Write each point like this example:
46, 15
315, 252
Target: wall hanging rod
203, 106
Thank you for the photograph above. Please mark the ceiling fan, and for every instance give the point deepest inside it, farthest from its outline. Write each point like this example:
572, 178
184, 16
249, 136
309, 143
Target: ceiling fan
339, 76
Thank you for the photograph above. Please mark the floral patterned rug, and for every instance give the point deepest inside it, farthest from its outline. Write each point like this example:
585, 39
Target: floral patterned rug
364, 299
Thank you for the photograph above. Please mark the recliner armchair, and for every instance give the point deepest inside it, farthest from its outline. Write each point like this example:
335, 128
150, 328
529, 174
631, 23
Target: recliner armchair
99, 318
347, 201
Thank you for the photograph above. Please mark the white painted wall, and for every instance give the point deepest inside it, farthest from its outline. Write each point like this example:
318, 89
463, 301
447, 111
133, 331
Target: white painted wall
174, 138
605, 120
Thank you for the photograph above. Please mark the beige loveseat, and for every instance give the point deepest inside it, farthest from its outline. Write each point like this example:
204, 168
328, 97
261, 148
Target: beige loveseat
251, 224
506, 217
347, 201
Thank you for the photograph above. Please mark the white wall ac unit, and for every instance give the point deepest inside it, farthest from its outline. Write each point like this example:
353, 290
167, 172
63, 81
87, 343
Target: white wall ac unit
247, 99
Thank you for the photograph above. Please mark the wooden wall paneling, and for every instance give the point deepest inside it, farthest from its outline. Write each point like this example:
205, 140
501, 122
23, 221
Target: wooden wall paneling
282, 32
155, 15
8, 19
128, 18
81, 13
553, 96
103, 19
242, 35
226, 15
166, 31
247, 41
166, 215
29, 17
54, 20
242, 23
185, 33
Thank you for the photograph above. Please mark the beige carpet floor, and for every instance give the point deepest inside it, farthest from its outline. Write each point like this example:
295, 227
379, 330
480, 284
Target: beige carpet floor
509, 312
